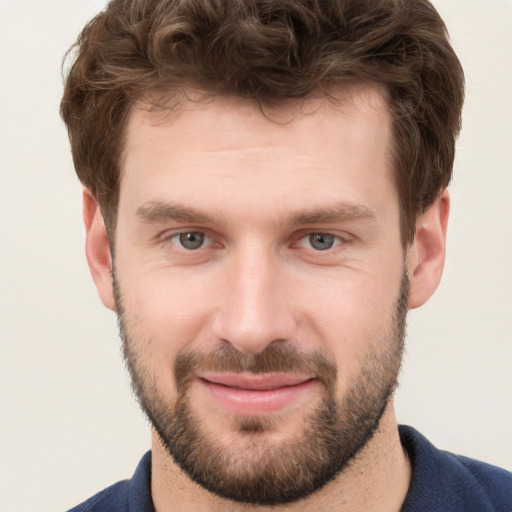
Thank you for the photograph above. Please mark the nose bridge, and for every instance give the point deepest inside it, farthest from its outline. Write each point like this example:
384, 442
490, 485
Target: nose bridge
254, 310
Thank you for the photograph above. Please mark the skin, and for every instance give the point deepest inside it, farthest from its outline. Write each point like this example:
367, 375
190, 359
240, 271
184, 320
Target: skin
260, 185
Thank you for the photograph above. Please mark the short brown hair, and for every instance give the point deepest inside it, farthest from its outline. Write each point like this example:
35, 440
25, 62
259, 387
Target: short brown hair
267, 51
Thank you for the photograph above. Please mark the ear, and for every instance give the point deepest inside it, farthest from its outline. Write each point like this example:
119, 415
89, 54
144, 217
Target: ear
425, 258
97, 250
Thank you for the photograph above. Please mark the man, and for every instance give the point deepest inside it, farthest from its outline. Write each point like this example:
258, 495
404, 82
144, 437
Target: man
265, 197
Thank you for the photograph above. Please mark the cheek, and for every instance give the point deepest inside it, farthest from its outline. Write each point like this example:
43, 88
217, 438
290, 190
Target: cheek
350, 315
164, 315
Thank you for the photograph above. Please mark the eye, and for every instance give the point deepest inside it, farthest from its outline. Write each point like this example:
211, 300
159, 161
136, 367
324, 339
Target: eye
320, 241
190, 240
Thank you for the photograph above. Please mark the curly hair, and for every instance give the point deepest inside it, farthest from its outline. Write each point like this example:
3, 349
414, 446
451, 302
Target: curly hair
267, 51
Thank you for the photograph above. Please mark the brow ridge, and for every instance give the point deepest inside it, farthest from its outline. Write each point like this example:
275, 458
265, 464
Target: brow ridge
331, 214
158, 211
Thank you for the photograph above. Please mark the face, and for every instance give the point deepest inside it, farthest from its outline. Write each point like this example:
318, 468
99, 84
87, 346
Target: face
260, 287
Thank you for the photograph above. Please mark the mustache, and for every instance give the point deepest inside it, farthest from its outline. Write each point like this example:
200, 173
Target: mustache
276, 358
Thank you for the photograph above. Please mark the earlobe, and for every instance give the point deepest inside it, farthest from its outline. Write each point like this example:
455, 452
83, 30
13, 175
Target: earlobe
425, 258
97, 250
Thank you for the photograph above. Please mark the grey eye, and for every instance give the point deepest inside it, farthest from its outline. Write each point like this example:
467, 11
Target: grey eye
321, 241
191, 240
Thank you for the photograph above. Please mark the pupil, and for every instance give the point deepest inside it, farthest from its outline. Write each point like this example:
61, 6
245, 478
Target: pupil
192, 240
321, 241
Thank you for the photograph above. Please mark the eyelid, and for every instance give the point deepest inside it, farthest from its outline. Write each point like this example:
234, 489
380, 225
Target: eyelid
211, 239
168, 236
205, 239
342, 238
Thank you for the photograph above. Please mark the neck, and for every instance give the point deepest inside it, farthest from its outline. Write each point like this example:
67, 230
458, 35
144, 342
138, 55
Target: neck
376, 480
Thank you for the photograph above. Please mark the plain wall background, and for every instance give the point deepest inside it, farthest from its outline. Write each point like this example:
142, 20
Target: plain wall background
69, 425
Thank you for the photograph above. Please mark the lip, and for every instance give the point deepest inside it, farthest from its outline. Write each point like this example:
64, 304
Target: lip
251, 394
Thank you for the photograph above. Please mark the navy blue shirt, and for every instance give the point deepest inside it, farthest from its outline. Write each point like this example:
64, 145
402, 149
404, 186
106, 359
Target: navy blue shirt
441, 482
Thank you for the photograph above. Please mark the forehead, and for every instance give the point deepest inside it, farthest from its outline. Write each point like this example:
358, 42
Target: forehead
216, 148
354, 100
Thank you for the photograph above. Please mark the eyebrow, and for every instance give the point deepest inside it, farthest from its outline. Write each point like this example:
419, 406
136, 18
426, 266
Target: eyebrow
331, 214
156, 211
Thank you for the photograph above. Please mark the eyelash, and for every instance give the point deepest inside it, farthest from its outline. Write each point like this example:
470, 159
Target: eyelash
178, 235
337, 240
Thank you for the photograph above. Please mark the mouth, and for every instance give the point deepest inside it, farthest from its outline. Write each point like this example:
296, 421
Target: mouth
251, 394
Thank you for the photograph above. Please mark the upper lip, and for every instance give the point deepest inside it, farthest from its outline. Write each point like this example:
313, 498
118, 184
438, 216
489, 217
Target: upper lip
255, 382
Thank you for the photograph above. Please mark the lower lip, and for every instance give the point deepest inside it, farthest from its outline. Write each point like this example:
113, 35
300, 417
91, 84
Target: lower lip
254, 402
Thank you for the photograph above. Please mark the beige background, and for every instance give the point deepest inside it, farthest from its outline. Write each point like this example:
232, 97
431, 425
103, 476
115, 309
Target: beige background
69, 425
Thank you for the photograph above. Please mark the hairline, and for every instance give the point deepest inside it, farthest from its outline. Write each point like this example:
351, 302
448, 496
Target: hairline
166, 103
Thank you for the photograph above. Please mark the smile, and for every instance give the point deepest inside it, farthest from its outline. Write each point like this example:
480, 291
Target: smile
256, 394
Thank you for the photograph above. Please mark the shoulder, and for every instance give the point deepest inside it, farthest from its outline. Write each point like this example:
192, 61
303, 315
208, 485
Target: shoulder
443, 481
125, 496
112, 499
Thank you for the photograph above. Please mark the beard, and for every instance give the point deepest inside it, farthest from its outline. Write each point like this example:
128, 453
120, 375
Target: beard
252, 469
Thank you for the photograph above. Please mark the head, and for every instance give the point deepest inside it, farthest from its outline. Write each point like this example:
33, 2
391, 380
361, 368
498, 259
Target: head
268, 53
271, 177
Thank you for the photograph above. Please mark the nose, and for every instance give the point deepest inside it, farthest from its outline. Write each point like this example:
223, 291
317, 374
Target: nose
255, 309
